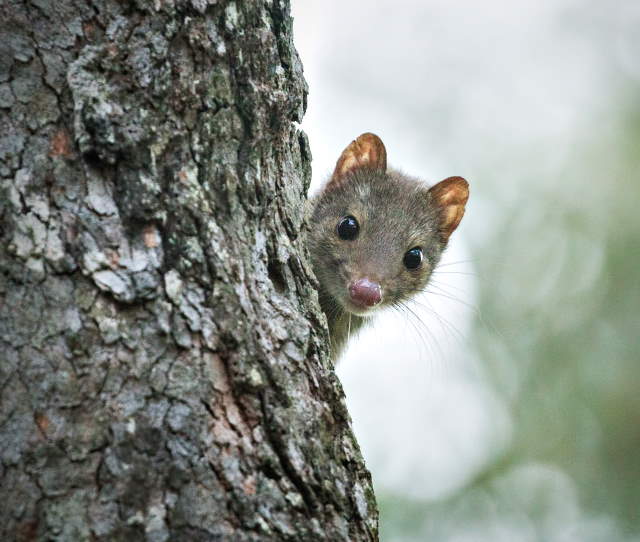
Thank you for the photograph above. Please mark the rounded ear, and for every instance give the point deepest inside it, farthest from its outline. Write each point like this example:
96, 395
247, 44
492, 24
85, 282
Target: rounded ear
450, 196
367, 151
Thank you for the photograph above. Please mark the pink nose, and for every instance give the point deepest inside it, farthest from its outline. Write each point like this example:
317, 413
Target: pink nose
365, 293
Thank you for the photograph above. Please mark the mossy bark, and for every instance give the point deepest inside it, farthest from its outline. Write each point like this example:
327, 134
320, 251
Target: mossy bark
163, 361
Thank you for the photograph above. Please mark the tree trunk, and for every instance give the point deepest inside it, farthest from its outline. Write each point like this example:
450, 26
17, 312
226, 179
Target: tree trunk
163, 361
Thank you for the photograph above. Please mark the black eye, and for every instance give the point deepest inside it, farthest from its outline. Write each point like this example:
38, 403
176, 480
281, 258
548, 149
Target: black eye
413, 258
348, 228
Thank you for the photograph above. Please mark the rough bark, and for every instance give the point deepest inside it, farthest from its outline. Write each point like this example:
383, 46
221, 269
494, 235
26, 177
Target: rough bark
163, 361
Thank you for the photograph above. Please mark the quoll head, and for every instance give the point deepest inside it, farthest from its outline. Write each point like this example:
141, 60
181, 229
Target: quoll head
377, 234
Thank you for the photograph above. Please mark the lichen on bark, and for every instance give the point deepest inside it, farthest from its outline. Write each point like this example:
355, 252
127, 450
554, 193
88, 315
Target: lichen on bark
163, 361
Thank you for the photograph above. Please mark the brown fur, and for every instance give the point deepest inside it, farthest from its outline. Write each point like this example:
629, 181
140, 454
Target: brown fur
395, 213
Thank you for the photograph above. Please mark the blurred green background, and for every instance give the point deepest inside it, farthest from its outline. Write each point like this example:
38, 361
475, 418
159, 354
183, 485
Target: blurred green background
565, 294
514, 415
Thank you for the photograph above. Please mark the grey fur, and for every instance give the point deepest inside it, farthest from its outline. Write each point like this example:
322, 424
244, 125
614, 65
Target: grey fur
395, 213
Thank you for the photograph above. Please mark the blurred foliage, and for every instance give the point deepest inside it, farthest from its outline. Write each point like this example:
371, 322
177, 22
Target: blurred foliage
559, 279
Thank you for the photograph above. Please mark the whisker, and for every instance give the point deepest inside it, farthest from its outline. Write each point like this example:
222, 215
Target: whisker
422, 329
452, 298
438, 362
423, 340
442, 284
447, 264
446, 325
445, 272
476, 311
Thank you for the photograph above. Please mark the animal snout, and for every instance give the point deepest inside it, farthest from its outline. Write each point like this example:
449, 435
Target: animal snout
365, 293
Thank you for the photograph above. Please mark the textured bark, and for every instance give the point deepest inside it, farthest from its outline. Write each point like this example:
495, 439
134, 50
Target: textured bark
163, 361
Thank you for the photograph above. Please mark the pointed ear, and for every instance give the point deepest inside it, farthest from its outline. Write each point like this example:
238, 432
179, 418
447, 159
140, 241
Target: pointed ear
367, 151
450, 197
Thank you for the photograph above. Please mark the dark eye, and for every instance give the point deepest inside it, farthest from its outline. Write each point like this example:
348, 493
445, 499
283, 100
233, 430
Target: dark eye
348, 228
413, 258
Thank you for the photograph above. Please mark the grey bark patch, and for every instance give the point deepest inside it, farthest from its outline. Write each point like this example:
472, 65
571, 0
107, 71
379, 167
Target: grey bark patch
26, 81
99, 198
7, 97
178, 416
11, 146
29, 237
146, 285
109, 329
173, 285
118, 284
